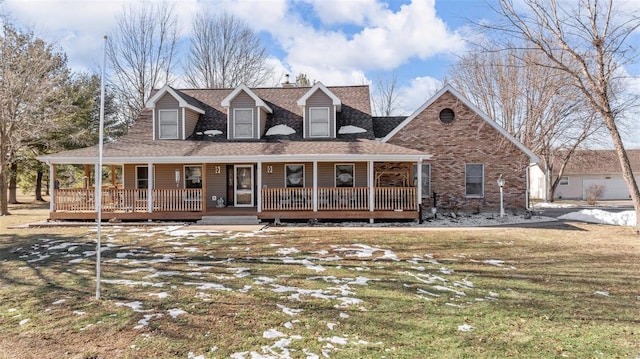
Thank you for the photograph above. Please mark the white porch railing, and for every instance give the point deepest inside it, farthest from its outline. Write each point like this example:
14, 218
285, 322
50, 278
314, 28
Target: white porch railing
128, 200
339, 199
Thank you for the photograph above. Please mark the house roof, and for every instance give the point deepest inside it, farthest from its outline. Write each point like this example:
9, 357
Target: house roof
474, 108
226, 102
598, 162
356, 110
318, 86
383, 125
184, 100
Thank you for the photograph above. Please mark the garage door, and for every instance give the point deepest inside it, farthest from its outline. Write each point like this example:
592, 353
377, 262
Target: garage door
614, 187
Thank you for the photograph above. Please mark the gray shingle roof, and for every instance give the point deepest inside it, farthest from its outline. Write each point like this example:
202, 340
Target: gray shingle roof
599, 162
138, 145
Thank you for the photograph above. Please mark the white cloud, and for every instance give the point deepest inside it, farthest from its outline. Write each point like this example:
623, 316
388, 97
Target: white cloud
346, 12
388, 40
416, 94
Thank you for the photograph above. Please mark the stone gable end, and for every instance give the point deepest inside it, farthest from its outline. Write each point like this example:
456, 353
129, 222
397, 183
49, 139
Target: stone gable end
467, 139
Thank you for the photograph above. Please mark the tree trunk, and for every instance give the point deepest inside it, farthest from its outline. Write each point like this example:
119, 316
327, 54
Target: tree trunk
4, 206
39, 185
13, 184
627, 173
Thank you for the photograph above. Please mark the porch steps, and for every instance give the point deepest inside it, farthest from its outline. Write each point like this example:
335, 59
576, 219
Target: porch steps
213, 220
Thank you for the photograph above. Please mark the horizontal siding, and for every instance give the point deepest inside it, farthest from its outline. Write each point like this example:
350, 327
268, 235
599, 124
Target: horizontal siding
320, 99
191, 119
216, 182
168, 102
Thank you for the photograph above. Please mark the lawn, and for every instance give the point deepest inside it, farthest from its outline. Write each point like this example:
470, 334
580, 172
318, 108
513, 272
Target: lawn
168, 292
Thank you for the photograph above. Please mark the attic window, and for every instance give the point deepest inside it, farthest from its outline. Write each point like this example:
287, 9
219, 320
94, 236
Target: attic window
168, 124
447, 115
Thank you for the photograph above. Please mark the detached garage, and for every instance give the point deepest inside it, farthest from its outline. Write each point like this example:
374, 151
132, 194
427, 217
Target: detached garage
587, 168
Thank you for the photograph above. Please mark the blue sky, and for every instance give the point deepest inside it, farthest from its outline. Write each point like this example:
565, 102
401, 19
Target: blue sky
338, 42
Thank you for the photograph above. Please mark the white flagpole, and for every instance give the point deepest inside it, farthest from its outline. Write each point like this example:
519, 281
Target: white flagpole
99, 171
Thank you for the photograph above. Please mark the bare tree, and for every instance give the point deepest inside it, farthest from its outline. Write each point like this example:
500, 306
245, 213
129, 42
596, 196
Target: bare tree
536, 104
225, 53
141, 51
30, 72
386, 99
589, 40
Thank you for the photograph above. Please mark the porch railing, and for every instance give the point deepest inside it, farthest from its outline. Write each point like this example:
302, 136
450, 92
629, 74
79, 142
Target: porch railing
339, 198
128, 200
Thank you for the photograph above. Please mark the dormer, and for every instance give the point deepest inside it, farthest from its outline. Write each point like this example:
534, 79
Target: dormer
175, 114
246, 114
319, 109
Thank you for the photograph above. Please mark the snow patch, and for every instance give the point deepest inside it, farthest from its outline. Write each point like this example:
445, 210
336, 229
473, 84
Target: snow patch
280, 130
212, 133
625, 218
350, 129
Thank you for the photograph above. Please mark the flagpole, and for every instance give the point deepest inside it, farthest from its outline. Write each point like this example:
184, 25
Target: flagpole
99, 170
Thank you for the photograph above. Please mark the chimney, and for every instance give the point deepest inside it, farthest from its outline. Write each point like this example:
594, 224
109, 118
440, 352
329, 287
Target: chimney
286, 82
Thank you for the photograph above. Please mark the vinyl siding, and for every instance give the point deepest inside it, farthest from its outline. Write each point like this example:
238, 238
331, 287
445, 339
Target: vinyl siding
243, 100
168, 102
216, 183
191, 119
320, 99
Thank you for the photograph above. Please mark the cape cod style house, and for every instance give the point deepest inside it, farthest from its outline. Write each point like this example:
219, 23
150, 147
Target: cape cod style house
296, 153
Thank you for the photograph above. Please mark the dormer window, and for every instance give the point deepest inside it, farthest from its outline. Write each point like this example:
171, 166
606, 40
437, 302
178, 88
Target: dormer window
319, 108
168, 124
319, 122
243, 122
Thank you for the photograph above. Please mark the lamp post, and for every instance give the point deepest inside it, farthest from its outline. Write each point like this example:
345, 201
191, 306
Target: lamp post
501, 184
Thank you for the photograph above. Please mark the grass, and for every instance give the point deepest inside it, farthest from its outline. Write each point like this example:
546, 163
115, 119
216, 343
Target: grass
515, 292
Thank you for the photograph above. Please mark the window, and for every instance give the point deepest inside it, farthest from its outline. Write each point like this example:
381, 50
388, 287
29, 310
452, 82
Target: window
294, 175
474, 180
192, 176
447, 115
168, 124
243, 123
344, 175
142, 181
426, 179
319, 122
142, 177
564, 181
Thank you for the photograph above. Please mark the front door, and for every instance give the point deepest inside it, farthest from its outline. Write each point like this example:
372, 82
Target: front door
243, 196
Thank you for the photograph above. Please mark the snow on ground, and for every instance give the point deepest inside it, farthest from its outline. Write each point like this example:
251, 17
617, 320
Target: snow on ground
625, 218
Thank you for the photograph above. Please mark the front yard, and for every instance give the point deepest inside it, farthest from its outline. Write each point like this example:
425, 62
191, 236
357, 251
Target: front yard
341, 293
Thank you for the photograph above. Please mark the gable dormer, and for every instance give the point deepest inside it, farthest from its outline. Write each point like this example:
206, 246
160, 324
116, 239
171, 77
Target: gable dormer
175, 114
319, 109
246, 114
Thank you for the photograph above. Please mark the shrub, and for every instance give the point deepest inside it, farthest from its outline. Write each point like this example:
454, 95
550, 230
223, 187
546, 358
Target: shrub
594, 193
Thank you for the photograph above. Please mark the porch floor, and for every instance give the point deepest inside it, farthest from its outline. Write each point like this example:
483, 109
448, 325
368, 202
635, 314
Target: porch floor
234, 211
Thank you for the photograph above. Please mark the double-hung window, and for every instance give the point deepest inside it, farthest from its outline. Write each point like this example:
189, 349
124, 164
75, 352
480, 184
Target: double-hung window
474, 180
344, 175
294, 175
168, 120
192, 176
319, 122
243, 123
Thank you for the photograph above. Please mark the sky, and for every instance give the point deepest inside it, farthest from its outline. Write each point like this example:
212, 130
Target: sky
337, 42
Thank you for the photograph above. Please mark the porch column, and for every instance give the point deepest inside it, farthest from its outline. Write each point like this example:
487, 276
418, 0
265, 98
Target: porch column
150, 187
113, 176
87, 177
52, 186
315, 186
205, 197
419, 184
371, 187
259, 185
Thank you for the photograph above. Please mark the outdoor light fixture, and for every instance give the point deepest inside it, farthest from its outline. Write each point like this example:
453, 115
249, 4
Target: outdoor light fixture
177, 178
501, 184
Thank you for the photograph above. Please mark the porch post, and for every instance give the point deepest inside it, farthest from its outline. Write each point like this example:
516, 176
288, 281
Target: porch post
52, 186
150, 187
371, 187
87, 177
315, 186
204, 188
259, 184
419, 184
